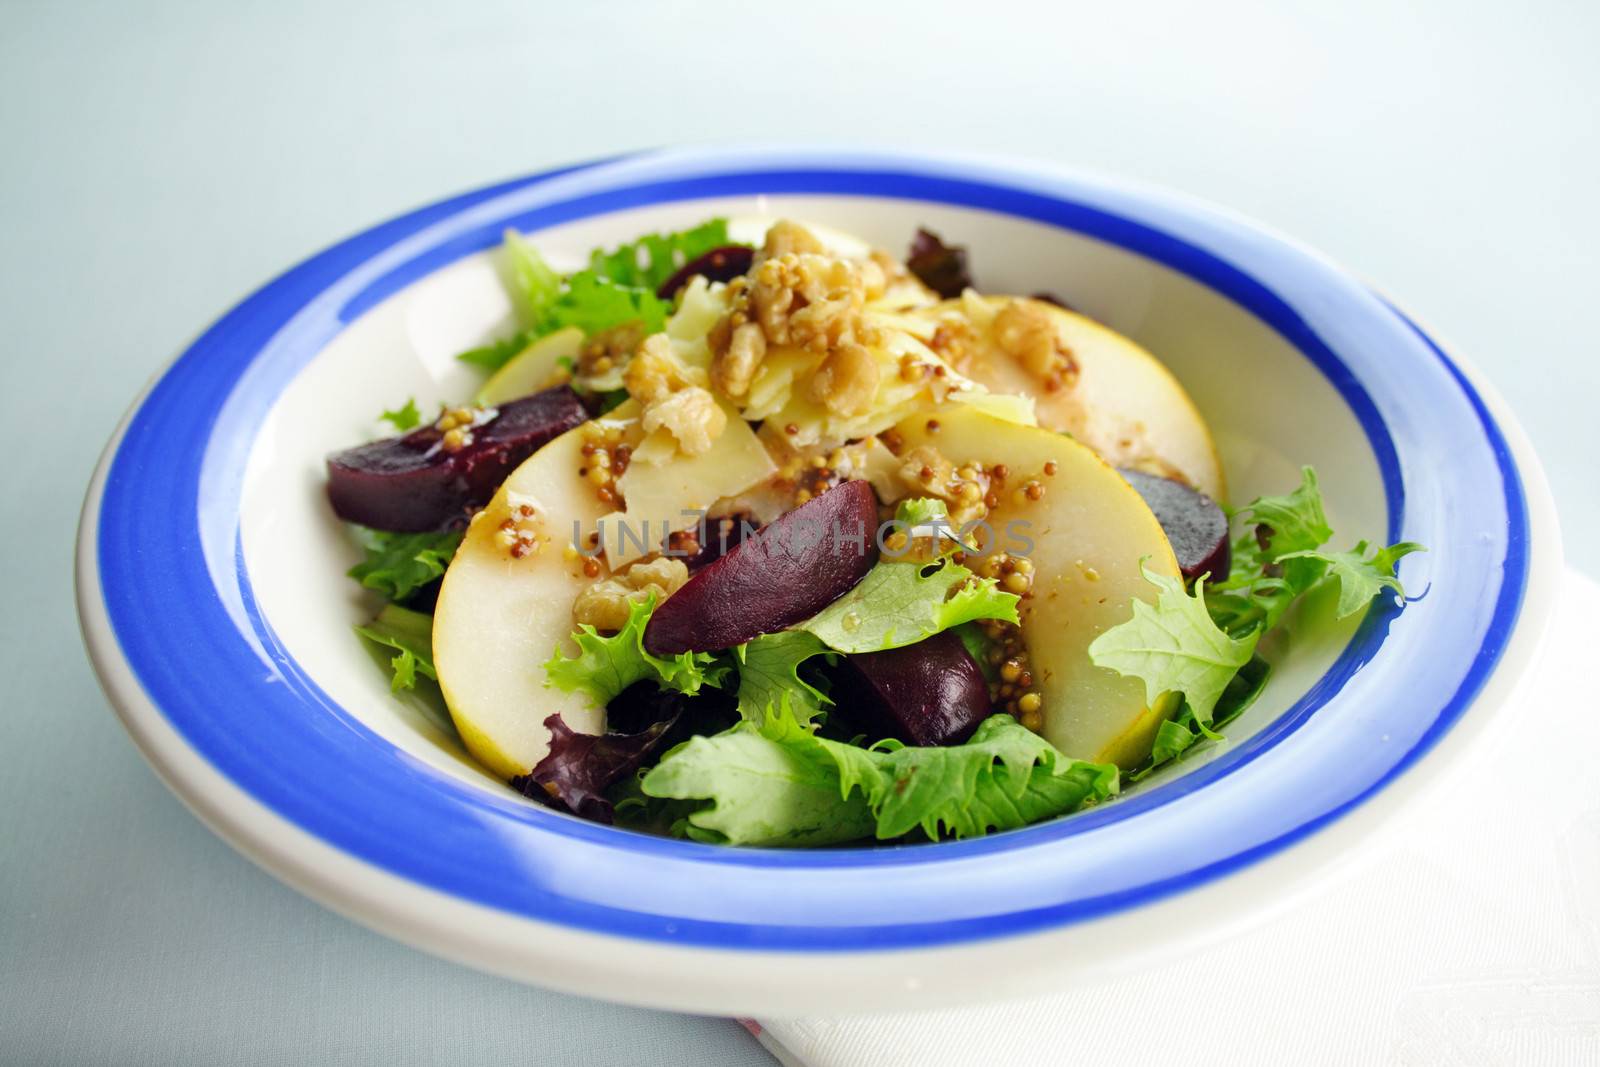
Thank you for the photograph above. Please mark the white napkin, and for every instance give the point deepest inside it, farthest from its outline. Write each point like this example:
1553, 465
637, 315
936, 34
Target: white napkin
1473, 939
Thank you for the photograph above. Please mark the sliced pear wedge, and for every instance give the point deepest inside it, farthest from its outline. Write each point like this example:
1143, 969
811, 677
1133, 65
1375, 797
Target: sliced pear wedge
532, 369
1089, 532
501, 617
1123, 402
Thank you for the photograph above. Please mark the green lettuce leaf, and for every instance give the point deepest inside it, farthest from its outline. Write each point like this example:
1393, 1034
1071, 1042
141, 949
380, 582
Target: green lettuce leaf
783, 785
1006, 776
496, 354
1174, 646
761, 791
900, 604
545, 302
1183, 731
398, 564
769, 677
927, 516
1242, 607
534, 284
606, 665
410, 634
655, 257
593, 303
1360, 579
1279, 525
922, 511
405, 417
1277, 559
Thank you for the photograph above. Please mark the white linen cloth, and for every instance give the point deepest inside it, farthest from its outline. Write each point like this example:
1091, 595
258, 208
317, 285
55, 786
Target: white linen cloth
1473, 938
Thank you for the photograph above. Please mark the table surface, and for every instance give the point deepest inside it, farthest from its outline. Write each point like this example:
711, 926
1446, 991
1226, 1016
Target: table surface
161, 160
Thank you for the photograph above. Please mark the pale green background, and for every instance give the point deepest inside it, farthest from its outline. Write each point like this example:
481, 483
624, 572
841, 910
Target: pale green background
161, 160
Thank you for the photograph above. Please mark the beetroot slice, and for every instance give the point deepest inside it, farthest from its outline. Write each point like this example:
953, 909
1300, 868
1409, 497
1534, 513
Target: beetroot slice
411, 483
718, 265
1194, 524
787, 572
929, 693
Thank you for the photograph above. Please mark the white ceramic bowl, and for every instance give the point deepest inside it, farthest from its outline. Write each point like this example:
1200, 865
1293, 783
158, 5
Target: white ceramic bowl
213, 603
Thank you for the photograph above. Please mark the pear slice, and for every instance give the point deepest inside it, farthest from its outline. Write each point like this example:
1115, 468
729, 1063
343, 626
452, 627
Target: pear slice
532, 369
1123, 402
1089, 532
501, 617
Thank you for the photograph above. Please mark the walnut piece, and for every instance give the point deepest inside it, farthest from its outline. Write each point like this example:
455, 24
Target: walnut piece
787, 238
847, 381
691, 415
605, 604
1024, 330
809, 301
735, 366
652, 374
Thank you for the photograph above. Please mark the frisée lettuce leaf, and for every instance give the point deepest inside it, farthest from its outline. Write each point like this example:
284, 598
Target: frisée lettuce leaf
781, 784
410, 634
617, 287
769, 677
900, 604
1173, 646
405, 417
606, 665
649, 261
399, 564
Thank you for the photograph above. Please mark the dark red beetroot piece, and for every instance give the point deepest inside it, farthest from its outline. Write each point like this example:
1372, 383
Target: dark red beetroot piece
941, 267
1194, 524
790, 570
929, 693
717, 538
412, 483
718, 265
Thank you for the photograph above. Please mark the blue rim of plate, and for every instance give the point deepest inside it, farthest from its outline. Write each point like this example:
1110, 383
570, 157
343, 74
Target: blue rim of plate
172, 575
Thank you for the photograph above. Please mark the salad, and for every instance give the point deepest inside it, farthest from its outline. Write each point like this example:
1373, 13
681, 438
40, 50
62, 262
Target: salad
756, 535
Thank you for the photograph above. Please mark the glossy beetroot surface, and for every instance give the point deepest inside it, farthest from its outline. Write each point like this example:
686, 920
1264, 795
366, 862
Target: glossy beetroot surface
412, 483
787, 572
1193, 522
929, 693
718, 265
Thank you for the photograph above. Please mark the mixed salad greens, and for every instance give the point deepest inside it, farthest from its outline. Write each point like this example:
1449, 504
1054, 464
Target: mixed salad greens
785, 542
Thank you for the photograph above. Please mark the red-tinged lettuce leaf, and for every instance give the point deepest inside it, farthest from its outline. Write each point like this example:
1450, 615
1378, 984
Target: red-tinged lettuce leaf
575, 774
941, 267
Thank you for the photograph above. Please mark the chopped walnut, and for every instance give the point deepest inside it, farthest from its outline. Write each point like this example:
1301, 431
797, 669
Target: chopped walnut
800, 300
652, 374
691, 415
847, 381
605, 604
1024, 330
786, 238
808, 301
735, 365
